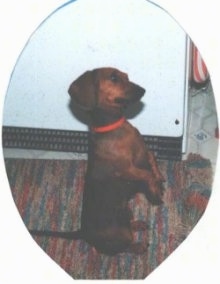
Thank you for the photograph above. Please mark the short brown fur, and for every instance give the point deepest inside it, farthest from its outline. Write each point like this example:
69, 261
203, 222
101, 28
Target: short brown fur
119, 164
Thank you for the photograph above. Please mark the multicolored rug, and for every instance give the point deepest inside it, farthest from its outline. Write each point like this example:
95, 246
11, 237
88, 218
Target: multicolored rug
48, 195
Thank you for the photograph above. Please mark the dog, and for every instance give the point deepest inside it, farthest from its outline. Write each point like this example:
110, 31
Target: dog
119, 163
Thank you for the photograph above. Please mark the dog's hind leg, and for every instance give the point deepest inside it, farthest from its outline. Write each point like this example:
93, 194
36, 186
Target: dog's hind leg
138, 225
137, 248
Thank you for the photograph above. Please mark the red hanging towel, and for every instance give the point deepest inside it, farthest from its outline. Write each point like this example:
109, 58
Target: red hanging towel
200, 73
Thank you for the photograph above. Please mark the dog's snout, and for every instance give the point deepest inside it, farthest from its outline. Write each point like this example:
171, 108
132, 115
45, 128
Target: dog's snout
70, 90
139, 90
142, 91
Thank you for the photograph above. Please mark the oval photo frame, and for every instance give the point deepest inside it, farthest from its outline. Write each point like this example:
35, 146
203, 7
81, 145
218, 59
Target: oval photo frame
30, 118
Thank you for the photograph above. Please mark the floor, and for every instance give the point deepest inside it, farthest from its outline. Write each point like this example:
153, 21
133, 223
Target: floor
202, 137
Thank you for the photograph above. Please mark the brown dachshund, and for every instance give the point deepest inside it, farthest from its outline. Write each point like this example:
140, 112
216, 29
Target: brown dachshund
119, 164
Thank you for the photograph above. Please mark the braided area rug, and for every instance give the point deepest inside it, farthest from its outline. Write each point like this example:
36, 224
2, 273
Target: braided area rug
48, 195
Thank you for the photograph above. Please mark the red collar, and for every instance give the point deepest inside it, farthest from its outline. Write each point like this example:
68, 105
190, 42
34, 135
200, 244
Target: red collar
109, 127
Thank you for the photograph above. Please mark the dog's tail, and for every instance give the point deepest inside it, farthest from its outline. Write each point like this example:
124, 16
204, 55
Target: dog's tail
75, 235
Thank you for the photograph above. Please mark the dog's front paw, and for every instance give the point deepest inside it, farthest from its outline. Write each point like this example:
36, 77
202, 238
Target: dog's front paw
155, 199
155, 193
159, 177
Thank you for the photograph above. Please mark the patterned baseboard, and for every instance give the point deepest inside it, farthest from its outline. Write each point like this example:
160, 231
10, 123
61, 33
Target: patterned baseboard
77, 141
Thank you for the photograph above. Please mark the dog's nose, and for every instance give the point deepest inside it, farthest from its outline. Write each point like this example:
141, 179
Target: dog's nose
139, 91
71, 90
135, 93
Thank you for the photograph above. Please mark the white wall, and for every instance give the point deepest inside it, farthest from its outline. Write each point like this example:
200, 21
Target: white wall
141, 40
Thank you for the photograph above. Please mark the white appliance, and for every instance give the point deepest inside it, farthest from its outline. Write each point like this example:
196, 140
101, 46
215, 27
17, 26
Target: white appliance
136, 37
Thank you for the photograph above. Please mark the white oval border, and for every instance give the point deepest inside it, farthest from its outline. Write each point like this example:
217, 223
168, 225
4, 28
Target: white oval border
197, 259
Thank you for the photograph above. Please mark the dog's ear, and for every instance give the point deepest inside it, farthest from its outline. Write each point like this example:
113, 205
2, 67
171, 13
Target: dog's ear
83, 90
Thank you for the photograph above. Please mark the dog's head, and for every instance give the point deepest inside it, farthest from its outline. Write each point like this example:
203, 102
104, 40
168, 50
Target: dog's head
104, 88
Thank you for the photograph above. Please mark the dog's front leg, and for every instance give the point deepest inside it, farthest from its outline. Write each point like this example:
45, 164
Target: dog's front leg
154, 167
133, 173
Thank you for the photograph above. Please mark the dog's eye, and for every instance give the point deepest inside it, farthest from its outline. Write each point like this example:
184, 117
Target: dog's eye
114, 78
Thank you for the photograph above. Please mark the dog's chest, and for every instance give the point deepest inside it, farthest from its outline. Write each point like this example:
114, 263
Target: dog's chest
119, 145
